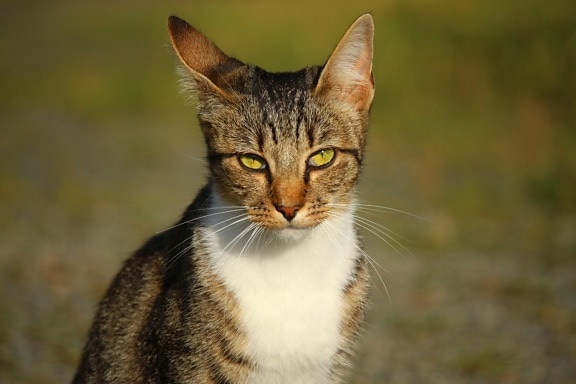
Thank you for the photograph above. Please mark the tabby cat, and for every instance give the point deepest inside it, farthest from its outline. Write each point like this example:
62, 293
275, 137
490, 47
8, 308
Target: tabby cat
263, 279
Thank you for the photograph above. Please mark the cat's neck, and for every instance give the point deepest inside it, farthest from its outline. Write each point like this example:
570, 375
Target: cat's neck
289, 291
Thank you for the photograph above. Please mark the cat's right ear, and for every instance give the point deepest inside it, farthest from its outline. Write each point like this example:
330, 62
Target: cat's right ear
202, 59
347, 75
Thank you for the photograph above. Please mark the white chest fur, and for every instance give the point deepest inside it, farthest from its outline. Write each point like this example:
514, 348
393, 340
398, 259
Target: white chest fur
290, 296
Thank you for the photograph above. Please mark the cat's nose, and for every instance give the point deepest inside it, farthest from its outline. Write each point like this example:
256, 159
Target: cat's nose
288, 212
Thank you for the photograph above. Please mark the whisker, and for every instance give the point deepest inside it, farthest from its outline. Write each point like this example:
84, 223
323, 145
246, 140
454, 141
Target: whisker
370, 260
383, 228
173, 259
243, 218
377, 208
236, 209
261, 232
376, 230
217, 208
382, 208
373, 261
379, 231
254, 232
239, 236
235, 220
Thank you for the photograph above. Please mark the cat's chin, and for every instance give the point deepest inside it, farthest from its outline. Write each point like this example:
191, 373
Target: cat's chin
291, 234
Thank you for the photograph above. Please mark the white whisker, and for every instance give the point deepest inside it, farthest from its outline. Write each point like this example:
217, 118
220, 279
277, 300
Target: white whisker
370, 260
235, 209
389, 237
236, 221
172, 260
239, 236
376, 230
261, 232
382, 208
389, 233
365, 254
378, 208
255, 230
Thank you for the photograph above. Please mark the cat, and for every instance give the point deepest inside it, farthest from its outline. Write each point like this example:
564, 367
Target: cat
263, 279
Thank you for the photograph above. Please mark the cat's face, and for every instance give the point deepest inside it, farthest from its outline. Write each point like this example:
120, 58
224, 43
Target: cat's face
287, 147
287, 156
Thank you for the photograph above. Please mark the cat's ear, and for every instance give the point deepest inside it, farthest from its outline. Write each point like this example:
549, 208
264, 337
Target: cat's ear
204, 61
347, 75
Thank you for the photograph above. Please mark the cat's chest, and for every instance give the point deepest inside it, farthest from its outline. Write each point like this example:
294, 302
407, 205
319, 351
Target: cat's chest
290, 297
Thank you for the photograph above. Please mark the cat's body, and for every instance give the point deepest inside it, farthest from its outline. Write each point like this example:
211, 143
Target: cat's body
263, 280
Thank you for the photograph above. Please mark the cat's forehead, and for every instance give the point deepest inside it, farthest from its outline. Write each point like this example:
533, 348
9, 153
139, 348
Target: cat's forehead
276, 112
277, 104
277, 87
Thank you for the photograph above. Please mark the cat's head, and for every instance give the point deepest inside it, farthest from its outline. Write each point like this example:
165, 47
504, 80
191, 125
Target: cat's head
286, 146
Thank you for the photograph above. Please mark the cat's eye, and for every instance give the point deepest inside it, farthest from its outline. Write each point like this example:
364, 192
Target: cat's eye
321, 158
252, 161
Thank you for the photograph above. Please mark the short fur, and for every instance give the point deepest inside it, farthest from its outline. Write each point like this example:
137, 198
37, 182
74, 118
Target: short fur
263, 279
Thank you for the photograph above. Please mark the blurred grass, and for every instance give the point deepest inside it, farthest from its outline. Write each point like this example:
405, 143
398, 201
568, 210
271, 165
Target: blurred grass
473, 128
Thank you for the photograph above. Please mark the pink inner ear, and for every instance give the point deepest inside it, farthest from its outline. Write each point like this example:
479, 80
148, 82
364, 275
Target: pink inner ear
360, 96
350, 82
361, 92
347, 75
364, 67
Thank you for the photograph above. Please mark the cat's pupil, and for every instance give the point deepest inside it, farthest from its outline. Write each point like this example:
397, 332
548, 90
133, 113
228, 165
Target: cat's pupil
252, 161
322, 158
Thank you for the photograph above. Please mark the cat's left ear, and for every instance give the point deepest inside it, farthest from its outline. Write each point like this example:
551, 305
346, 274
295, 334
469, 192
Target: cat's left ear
347, 75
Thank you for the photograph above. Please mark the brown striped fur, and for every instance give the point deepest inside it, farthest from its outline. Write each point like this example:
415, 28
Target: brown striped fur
169, 316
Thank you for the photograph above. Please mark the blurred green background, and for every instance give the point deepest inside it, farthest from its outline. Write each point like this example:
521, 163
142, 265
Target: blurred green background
473, 129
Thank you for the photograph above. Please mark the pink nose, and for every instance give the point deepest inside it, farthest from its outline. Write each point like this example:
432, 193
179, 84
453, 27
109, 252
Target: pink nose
288, 212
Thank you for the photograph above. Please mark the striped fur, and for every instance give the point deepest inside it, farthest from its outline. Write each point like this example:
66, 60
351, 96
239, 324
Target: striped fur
263, 279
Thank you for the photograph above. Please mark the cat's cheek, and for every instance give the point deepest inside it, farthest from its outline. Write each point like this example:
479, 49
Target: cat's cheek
339, 178
247, 186
345, 175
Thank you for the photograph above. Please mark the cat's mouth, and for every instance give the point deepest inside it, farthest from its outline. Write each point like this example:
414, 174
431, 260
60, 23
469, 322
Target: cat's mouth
291, 224
291, 230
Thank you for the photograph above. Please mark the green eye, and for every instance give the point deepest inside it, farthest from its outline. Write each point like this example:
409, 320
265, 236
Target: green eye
252, 161
321, 158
